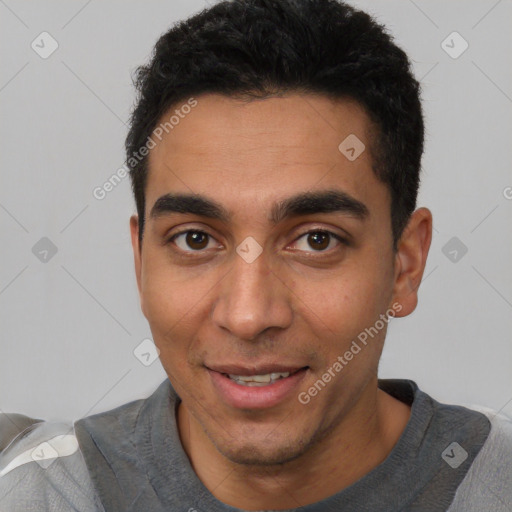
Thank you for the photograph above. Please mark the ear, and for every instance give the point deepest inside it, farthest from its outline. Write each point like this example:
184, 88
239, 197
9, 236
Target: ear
410, 260
137, 255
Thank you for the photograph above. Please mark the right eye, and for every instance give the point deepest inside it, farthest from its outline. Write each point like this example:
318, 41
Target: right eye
192, 240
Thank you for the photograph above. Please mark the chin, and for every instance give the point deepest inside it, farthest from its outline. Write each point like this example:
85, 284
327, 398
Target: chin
260, 452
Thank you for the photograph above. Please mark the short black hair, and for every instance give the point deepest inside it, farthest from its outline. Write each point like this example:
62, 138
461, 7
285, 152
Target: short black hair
259, 48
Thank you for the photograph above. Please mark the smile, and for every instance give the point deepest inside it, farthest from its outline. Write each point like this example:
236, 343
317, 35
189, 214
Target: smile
244, 389
258, 380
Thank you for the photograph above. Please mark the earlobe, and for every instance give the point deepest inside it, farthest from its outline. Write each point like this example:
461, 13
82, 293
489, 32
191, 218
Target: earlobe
411, 258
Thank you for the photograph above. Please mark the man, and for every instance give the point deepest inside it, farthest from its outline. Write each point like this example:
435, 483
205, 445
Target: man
275, 153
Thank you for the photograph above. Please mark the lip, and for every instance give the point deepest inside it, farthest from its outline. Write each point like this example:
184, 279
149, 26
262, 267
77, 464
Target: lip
261, 369
256, 397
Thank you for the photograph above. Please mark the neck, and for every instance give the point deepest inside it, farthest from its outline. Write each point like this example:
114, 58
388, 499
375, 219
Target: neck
355, 446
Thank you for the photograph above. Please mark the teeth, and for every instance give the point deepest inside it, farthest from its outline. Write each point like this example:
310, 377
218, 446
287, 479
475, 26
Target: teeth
258, 380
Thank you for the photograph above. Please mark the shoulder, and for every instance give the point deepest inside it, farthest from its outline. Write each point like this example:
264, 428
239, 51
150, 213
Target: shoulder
93, 464
117, 443
126, 421
122, 419
488, 483
11, 425
42, 468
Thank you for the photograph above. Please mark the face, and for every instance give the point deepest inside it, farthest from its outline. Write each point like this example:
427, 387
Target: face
281, 259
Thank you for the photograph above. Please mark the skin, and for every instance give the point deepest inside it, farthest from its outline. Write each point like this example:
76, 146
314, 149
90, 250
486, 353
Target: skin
294, 304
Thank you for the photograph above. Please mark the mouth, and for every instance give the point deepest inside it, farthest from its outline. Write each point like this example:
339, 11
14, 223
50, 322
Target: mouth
263, 379
255, 388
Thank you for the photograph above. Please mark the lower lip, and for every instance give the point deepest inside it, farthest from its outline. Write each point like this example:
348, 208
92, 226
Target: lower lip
255, 397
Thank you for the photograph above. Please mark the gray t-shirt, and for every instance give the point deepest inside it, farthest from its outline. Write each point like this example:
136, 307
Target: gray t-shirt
448, 458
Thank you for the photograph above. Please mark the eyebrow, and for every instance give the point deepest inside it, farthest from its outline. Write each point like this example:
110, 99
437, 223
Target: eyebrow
305, 203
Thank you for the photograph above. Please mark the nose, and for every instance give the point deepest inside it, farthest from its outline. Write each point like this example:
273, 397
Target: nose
252, 299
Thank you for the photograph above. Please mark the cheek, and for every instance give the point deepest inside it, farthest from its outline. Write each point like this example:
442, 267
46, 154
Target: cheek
167, 291
343, 304
166, 302
176, 302
168, 311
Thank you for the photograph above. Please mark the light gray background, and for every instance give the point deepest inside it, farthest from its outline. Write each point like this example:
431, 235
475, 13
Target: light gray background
69, 326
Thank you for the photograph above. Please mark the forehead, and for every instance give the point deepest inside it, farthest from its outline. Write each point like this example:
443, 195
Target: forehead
244, 153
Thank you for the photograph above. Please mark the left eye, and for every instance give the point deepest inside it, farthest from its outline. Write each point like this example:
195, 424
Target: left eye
319, 241
195, 240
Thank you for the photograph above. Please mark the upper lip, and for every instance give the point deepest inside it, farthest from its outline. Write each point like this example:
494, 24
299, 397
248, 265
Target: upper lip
260, 369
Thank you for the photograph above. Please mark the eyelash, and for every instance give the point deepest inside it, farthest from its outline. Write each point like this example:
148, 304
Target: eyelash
337, 237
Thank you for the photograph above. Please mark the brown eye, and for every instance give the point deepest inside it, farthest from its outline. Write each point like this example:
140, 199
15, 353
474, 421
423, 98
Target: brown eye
196, 239
319, 240
191, 241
